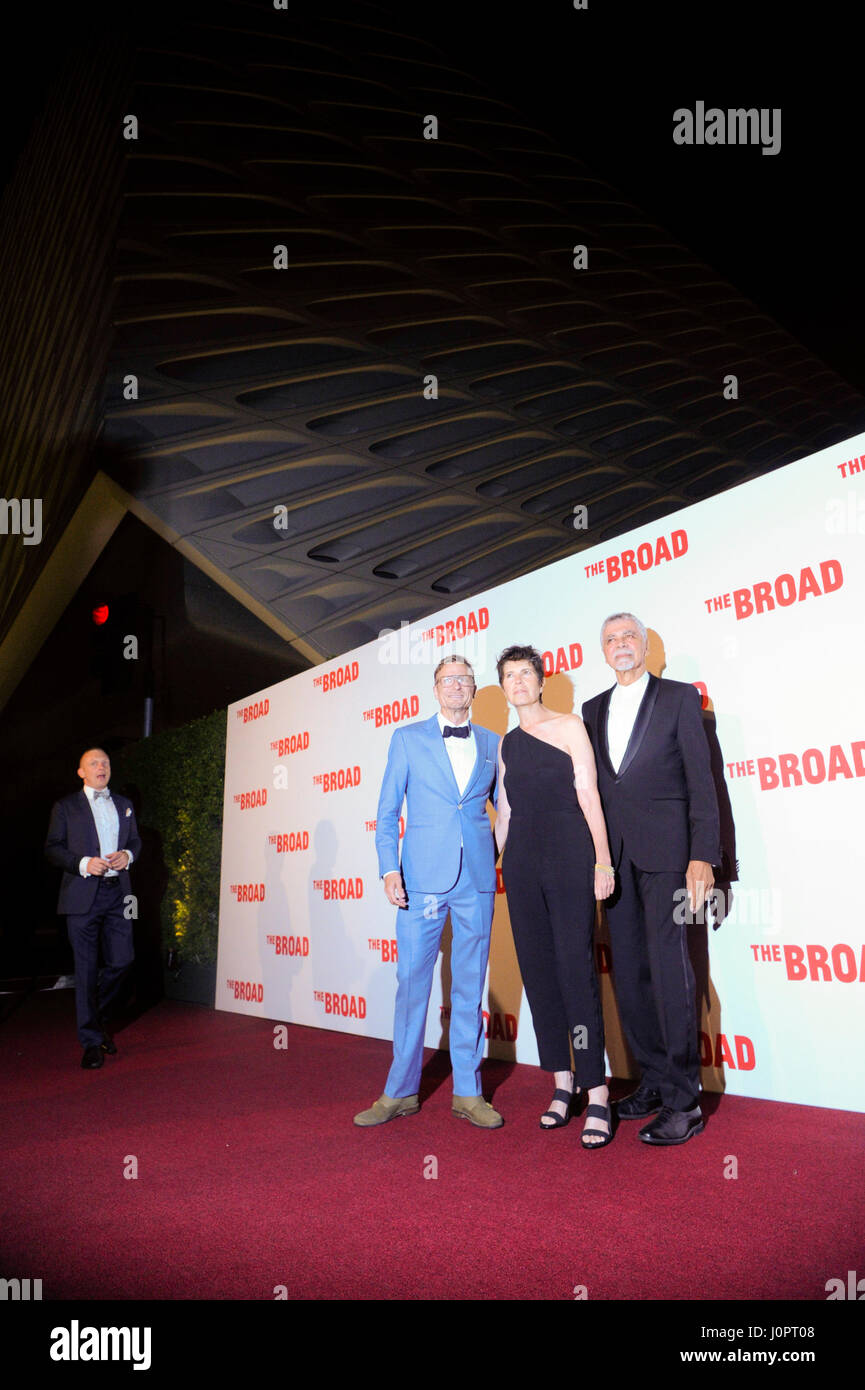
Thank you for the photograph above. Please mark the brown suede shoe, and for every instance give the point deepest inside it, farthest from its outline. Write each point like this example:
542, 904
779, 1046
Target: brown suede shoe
387, 1108
478, 1110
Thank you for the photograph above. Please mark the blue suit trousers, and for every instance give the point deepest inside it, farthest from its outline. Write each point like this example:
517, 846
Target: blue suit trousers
418, 932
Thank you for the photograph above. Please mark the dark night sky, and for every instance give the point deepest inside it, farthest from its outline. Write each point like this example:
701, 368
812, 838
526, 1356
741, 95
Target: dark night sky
785, 228
605, 81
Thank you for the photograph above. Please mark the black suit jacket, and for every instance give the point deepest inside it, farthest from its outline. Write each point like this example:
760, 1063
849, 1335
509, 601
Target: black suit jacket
72, 834
660, 806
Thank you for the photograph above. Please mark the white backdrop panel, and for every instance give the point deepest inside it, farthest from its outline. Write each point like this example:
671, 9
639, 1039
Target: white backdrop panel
305, 933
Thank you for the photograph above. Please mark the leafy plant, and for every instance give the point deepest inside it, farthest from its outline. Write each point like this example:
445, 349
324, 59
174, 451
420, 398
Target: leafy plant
179, 775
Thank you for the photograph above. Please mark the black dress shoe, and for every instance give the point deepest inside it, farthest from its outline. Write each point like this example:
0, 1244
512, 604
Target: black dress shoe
673, 1126
92, 1058
639, 1104
108, 1046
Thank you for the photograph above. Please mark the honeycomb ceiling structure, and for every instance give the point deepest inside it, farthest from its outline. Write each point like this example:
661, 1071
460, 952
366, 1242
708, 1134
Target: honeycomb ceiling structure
371, 379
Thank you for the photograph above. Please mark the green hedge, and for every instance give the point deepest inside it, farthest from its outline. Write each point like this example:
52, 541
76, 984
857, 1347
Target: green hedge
179, 776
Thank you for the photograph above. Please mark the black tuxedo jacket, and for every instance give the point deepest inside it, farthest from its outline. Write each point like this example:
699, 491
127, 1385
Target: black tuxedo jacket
660, 806
72, 834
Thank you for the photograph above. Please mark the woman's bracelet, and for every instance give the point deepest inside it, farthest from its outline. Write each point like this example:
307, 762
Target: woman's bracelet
606, 869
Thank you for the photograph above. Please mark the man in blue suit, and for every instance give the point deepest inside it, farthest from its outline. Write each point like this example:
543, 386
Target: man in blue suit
93, 838
445, 768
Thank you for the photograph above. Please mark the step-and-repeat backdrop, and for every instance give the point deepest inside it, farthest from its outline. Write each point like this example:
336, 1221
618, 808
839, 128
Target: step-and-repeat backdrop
758, 598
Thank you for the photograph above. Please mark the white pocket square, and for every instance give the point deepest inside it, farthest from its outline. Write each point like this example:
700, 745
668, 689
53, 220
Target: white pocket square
129, 810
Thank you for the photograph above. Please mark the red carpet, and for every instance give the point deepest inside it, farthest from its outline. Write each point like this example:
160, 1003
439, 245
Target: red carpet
251, 1175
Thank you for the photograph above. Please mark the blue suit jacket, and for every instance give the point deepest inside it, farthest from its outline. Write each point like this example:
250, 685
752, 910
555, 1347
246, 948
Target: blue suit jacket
438, 819
72, 834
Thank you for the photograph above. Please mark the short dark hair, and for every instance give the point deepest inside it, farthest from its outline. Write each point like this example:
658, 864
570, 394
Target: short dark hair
521, 654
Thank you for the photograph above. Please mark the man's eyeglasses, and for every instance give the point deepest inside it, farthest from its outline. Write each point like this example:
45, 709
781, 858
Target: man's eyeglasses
455, 680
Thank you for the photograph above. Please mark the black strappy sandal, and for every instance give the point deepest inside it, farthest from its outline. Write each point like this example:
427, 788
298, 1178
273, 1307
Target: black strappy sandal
559, 1121
598, 1112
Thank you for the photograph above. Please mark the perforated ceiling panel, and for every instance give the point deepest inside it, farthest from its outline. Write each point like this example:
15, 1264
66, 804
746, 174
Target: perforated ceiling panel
302, 388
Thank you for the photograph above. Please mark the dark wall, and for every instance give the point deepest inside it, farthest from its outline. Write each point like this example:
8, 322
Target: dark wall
208, 651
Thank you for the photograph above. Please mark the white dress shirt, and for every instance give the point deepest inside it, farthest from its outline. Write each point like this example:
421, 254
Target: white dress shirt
108, 830
624, 703
461, 751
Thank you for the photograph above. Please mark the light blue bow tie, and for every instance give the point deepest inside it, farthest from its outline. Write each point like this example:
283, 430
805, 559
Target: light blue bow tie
101, 791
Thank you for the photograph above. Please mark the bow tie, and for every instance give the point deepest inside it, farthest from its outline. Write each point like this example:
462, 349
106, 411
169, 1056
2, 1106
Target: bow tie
450, 732
101, 791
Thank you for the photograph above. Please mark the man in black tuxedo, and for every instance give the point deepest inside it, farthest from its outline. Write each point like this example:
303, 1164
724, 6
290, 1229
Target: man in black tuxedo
656, 786
93, 838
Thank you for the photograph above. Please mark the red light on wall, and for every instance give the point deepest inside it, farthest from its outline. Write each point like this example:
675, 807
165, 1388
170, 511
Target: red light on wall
100, 614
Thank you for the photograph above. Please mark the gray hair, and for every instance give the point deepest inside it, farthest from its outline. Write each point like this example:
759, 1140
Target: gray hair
614, 618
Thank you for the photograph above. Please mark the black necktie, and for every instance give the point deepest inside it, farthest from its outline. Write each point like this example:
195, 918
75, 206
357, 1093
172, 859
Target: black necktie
450, 732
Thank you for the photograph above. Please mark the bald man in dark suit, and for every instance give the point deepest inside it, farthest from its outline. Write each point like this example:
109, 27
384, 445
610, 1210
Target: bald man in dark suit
93, 838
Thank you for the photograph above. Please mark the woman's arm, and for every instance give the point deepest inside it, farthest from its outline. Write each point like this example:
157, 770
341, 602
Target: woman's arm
503, 808
586, 786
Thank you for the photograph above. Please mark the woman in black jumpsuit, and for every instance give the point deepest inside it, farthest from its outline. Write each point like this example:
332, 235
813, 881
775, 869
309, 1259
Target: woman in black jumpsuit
556, 863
